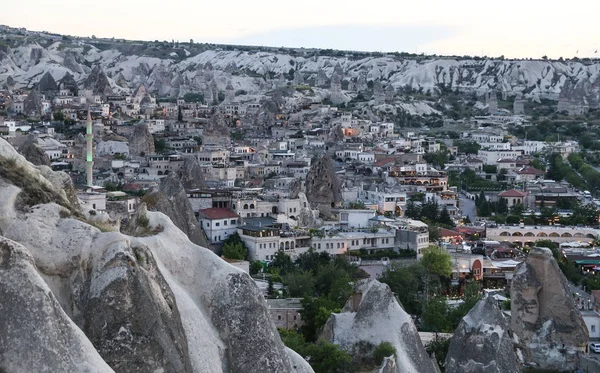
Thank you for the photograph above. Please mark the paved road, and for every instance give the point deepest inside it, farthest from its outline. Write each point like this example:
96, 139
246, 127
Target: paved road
583, 299
467, 207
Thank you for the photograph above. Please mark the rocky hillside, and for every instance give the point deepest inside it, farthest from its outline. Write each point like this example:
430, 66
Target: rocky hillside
173, 69
79, 296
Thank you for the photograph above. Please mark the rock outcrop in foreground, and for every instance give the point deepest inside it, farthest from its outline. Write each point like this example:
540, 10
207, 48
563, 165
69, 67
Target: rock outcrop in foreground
481, 343
550, 329
323, 188
74, 298
373, 314
170, 199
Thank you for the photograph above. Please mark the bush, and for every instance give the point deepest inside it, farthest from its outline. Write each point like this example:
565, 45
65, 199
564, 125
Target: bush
383, 350
143, 221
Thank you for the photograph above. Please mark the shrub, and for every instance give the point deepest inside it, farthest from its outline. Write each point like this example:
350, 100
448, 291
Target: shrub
143, 221
383, 350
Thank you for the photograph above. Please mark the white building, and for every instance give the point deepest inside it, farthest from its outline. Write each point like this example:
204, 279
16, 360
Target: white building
218, 223
355, 218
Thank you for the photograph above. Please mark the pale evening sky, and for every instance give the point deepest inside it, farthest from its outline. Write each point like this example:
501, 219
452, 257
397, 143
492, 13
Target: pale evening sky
513, 28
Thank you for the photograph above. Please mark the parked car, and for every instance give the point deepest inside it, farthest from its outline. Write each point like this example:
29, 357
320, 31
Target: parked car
595, 347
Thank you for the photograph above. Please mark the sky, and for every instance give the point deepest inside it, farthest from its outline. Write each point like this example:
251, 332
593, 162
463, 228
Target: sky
512, 28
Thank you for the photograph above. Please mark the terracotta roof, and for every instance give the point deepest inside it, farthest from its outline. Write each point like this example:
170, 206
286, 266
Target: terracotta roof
218, 213
383, 162
512, 193
448, 233
529, 171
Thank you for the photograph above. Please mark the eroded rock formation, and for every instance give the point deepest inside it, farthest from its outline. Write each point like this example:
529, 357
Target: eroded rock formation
550, 329
141, 141
323, 189
373, 314
482, 343
171, 199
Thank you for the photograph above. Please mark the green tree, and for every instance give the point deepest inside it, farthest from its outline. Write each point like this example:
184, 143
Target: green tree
160, 146
325, 357
383, 350
179, 114
300, 284
435, 316
439, 347
256, 267
437, 261
413, 211
406, 282
236, 251
467, 146
315, 312
271, 292
282, 262
58, 116
445, 218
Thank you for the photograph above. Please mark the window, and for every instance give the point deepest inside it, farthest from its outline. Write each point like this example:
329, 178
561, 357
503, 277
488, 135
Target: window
217, 224
224, 222
279, 317
593, 328
94, 206
232, 222
207, 224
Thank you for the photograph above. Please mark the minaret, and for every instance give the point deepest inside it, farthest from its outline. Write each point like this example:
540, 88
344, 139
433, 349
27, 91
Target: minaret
89, 137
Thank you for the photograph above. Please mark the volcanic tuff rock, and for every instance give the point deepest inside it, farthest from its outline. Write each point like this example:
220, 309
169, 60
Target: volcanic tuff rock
126, 282
481, 343
323, 188
141, 141
192, 176
373, 314
209, 70
47, 84
35, 333
33, 153
98, 82
33, 104
171, 199
156, 303
550, 329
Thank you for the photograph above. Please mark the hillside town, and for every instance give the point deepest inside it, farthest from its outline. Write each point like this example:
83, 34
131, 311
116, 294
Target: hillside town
271, 180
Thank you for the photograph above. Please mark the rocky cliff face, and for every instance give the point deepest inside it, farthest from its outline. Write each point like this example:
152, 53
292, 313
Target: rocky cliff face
373, 314
323, 189
550, 329
141, 141
79, 299
482, 343
170, 199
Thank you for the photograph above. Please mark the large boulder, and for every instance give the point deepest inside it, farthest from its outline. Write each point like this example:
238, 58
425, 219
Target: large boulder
482, 343
36, 335
171, 199
323, 188
550, 329
372, 314
141, 142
